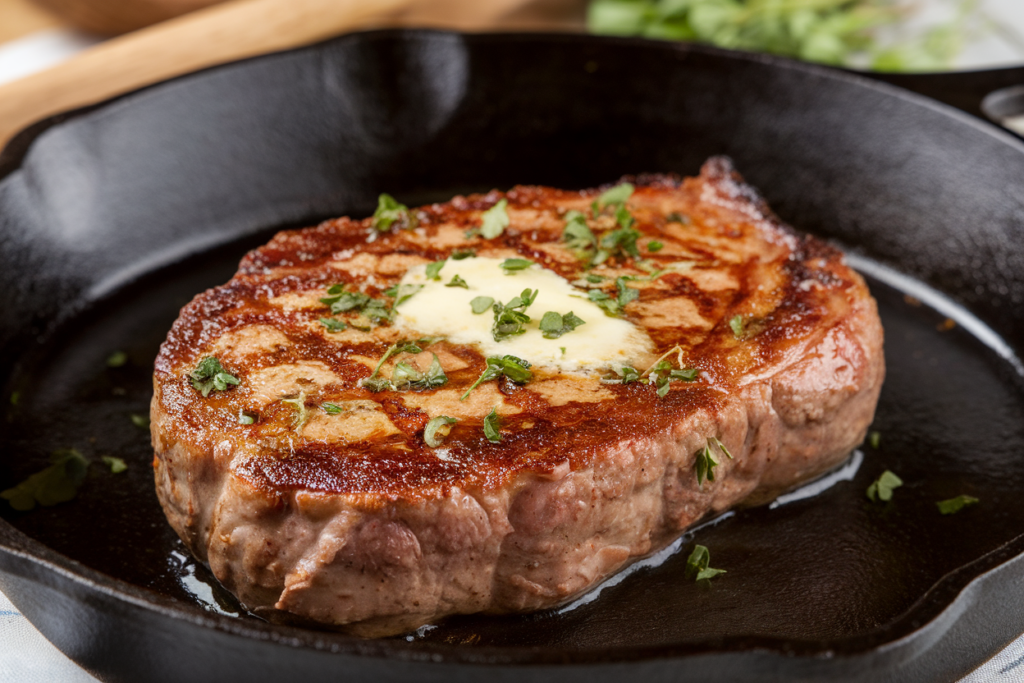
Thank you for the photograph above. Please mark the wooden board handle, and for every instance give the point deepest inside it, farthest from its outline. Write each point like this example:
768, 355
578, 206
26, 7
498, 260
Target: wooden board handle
223, 33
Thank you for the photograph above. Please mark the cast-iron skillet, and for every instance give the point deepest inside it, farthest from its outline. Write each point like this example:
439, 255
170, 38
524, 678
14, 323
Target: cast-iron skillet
113, 217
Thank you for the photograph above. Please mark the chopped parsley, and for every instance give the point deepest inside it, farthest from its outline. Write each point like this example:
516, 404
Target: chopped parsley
613, 306
516, 369
463, 254
697, 565
55, 484
117, 359
301, 414
494, 220
375, 383
881, 489
705, 462
578, 234
117, 465
457, 281
595, 279
620, 242
510, 318
954, 505
342, 301
405, 376
617, 195
333, 325
514, 265
654, 246
245, 418
402, 293
331, 408
434, 269
481, 303
553, 325
389, 212
738, 326
210, 375
492, 424
437, 429
140, 421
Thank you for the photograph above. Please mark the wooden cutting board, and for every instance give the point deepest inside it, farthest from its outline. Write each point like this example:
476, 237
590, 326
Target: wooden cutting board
244, 28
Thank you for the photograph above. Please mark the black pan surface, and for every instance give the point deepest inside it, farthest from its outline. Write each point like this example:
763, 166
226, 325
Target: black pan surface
113, 217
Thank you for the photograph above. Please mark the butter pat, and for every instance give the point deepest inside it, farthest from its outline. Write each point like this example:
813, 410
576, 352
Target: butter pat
437, 310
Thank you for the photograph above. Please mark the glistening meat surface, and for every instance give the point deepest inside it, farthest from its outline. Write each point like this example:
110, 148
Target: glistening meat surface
345, 515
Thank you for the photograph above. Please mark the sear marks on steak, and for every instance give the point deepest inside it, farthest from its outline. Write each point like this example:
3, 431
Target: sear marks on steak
351, 520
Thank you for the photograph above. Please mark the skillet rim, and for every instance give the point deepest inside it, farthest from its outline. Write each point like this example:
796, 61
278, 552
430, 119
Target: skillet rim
943, 603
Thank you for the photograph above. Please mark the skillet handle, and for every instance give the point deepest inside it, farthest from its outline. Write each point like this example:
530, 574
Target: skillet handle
964, 90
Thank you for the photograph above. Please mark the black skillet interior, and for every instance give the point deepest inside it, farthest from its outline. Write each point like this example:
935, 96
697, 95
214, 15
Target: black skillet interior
112, 219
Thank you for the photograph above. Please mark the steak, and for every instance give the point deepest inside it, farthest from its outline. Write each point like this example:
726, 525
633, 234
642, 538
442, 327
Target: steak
316, 445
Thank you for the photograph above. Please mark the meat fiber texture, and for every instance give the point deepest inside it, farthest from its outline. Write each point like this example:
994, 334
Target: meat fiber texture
353, 521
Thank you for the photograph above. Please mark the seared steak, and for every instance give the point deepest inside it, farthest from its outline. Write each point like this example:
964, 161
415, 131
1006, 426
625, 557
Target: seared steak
317, 487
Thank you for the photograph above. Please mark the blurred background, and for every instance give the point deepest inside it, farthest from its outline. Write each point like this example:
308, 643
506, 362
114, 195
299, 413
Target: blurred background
887, 35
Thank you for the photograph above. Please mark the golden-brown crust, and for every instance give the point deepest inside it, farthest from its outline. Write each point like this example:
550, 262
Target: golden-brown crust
728, 256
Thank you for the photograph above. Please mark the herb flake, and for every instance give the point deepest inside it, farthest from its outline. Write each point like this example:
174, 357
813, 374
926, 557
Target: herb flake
116, 465
333, 325
437, 430
117, 359
210, 375
514, 265
494, 220
390, 212
882, 488
492, 425
516, 369
481, 303
457, 281
697, 565
954, 505
55, 484
553, 325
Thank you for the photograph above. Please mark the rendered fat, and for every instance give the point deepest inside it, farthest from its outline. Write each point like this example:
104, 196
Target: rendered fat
437, 310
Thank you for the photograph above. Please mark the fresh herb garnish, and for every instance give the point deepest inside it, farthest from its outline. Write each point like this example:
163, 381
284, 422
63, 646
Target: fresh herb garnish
481, 303
613, 306
341, 301
514, 265
333, 325
245, 418
331, 408
463, 254
301, 414
856, 33
705, 462
874, 439
210, 375
492, 424
494, 220
437, 429
615, 196
553, 325
117, 359
881, 489
595, 279
140, 421
457, 281
434, 269
55, 484
375, 383
697, 565
117, 465
516, 369
626, 294
405, 376
389, 212
510, 318
654, 246
620, 242
402, 293
578, 234
954, 505
738, 326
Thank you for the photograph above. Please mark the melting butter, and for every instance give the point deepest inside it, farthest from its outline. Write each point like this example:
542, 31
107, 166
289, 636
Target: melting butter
437, 310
